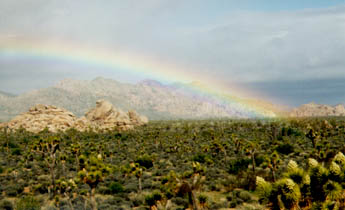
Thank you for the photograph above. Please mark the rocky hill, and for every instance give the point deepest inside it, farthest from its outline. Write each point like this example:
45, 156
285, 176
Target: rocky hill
150, 98
104, 116
316, 110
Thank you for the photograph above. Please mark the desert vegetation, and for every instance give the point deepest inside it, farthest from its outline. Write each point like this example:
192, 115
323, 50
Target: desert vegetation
205, 164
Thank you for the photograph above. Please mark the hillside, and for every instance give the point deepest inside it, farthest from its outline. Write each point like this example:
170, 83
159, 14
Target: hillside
317, 110
150, 98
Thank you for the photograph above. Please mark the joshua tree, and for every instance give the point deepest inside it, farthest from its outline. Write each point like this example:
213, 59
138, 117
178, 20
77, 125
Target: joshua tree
313, 136
7, 137
63, 159
66, 188
92, 173
272, 163
49, 148
76, 152
274, 131
238, 144
134, 169
251, 148
187, 184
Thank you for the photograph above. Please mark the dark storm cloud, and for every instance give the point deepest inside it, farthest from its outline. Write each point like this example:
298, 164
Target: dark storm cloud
294, 93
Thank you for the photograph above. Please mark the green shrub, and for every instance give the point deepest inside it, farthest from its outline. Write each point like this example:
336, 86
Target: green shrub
103, 190
114, 201
42, 187
104, 206
78, 202
153, 198
245, 196
202, 199
6, 205
237, 165
115, 188
180, 201
51, 207
149, 200
10, 145
131, 187
14, 190
83, 192
138, 200
157, 196
201, 158
145, 161
28, 203
16, 151
285, 149
233, 204
230, 197
259, 160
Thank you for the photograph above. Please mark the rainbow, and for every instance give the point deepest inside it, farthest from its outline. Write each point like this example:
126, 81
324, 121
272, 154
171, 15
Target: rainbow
140, 64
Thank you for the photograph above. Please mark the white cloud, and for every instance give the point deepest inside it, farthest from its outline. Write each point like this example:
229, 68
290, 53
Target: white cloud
235, 45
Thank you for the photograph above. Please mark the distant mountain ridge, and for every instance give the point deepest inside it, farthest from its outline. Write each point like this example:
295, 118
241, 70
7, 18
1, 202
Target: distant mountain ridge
2, 93
318, 110
151, 98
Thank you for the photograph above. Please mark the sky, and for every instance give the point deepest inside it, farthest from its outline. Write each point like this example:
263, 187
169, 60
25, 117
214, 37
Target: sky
290, 51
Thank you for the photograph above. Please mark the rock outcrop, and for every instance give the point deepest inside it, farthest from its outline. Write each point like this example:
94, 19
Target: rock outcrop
41, 116
103, 117
137, 119
318, 110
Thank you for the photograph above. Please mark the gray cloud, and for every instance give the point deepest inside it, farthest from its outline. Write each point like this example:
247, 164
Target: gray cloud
294, 93
232, 45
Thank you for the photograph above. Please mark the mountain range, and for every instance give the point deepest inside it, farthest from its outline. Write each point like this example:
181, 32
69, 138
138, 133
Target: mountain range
153, 99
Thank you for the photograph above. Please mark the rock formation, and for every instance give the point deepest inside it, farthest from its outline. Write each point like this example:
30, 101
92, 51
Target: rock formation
137, 119
317, 110
43, 116
104, 116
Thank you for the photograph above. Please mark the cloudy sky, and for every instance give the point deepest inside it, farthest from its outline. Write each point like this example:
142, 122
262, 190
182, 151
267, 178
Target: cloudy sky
291, 51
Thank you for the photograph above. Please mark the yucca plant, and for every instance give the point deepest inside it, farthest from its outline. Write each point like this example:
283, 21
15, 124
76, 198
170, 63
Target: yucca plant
318, 187
333, 190
301, 178
92, 174
264, 190
298, 175
318, 177
284, 193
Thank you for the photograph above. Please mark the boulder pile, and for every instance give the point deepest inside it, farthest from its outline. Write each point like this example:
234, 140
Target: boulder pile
106, 116
103, 117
